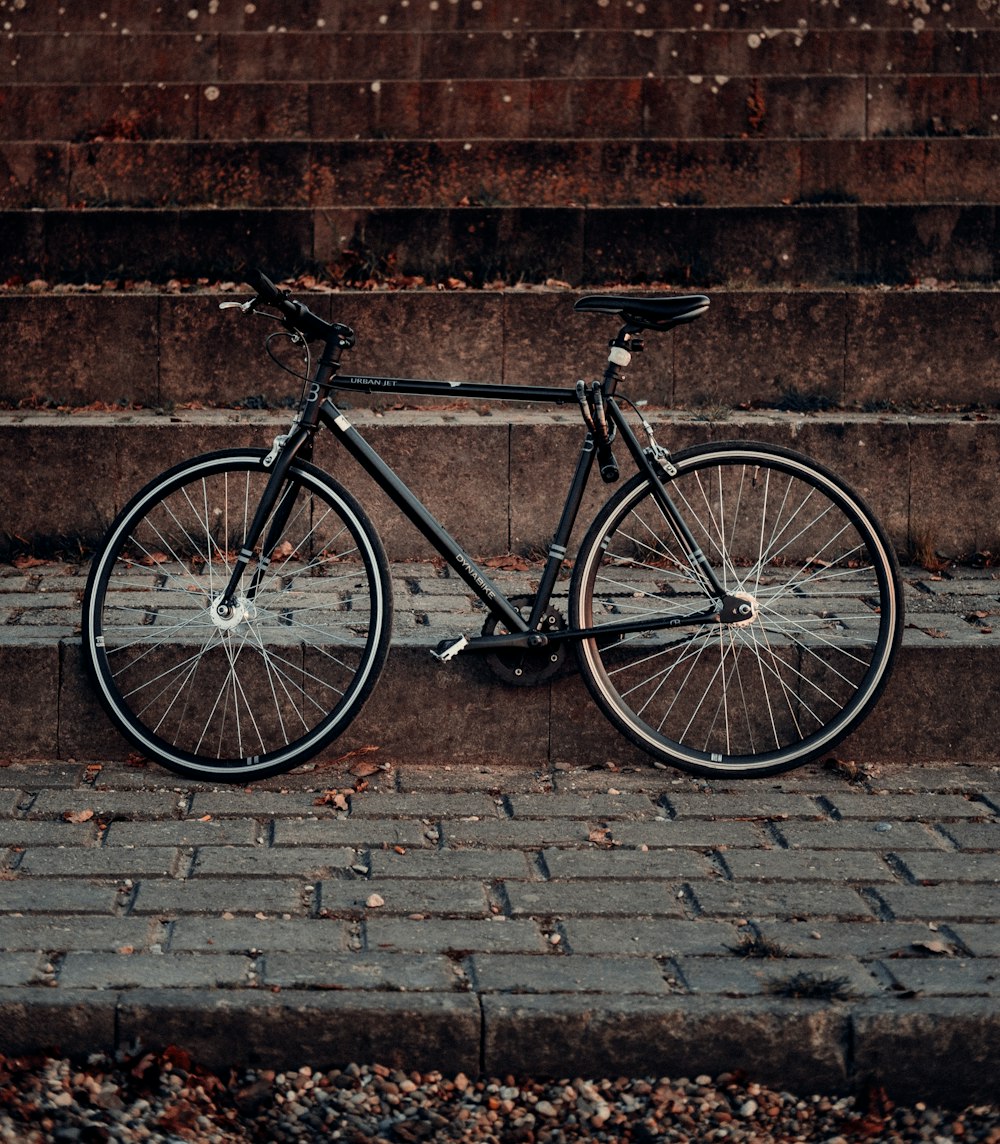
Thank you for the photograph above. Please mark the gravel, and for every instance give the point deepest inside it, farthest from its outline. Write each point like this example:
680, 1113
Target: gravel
166, 1097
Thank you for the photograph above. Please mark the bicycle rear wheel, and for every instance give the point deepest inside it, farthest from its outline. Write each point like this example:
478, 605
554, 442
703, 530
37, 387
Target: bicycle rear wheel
778, 689
261, 690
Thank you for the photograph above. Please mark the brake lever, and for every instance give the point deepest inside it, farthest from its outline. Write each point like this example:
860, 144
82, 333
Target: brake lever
244, 306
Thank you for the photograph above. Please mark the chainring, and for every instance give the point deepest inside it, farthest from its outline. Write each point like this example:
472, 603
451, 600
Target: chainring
526, 667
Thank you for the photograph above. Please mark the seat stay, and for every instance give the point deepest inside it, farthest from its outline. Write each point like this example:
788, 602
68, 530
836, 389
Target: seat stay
659, 477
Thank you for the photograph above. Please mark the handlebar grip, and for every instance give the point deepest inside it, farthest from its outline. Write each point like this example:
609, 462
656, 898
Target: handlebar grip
296, 314
266, 289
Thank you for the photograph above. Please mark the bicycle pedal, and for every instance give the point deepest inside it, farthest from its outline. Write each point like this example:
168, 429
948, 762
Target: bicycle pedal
448, 649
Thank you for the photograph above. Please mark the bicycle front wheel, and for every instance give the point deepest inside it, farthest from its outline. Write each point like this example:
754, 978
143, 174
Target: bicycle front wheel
774, 690
261, 690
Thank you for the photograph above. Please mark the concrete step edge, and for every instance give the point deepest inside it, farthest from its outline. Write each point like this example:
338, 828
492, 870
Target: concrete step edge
66, 476
424, 711
52, 16
528, 172
862, 348
822, 244
782, 1043
830, 106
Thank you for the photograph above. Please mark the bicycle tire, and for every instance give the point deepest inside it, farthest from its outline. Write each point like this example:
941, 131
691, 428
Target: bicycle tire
267, 688
771, 693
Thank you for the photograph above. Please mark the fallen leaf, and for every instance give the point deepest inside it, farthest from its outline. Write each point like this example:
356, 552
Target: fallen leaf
363, 768
509, 563
78, 815
935, 947
178, 1057
846, 767
601, 836
373, 901
357, 753
332, 798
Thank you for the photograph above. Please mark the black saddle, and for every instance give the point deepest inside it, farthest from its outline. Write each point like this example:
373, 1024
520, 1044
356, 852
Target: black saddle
646, 312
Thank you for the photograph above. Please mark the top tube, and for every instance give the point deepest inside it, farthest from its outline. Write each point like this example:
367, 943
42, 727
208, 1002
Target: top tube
452, 389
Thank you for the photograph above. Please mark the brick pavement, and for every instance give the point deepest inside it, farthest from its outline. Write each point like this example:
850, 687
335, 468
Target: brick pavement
513, 919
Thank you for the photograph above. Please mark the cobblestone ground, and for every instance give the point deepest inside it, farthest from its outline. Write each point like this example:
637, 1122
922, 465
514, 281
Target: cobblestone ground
833, 926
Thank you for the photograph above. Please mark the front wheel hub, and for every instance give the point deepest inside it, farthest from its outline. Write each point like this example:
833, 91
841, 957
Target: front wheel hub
229, 616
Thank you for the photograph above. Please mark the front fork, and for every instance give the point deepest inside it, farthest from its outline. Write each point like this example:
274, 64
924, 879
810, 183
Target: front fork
273, 511
278, 499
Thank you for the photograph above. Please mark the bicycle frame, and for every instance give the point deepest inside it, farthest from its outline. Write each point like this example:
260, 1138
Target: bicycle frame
226, 667
320, 409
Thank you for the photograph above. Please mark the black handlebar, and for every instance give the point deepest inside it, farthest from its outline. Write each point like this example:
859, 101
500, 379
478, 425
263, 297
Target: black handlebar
296, 314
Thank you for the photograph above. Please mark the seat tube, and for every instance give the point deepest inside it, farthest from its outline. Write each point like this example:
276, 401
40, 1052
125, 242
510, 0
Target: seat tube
557, 549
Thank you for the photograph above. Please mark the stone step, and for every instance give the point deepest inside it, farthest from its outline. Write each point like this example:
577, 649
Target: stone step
194, 56
459, 712
817, 245
322, 174
113, 16
859, 349
497, 477
753, 106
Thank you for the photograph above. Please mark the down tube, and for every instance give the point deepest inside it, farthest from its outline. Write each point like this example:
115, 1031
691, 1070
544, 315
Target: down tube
421, 518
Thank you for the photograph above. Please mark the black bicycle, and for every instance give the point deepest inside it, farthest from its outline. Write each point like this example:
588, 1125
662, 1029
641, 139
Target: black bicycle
735, 607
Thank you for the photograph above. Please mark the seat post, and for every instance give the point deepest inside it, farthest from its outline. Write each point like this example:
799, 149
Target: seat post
619, 355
